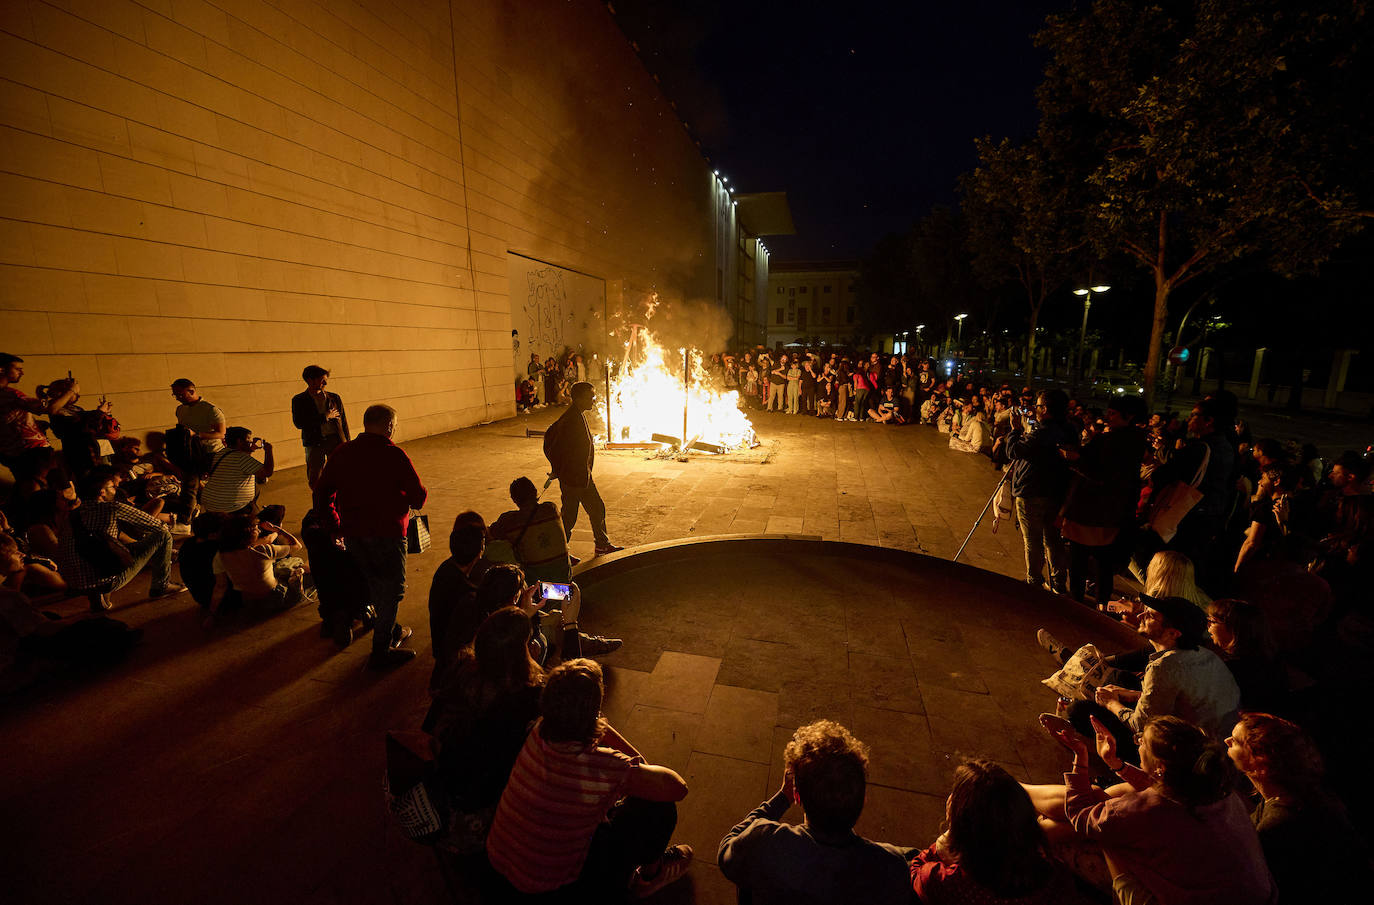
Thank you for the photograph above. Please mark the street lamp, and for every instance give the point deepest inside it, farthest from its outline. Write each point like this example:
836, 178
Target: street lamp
960, 319
1083, 333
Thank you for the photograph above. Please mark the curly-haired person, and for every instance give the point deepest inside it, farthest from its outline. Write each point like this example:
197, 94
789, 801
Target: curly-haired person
821, 859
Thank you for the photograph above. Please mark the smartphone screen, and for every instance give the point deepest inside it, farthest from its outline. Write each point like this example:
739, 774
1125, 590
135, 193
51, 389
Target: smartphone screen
552, 590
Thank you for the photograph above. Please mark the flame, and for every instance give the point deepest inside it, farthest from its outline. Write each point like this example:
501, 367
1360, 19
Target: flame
647, 397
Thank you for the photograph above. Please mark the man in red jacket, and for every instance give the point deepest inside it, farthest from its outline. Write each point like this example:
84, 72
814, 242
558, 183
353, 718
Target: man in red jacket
369, 486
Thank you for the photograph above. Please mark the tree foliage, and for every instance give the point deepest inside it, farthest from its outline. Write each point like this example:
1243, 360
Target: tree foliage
1021, 224
1196, 132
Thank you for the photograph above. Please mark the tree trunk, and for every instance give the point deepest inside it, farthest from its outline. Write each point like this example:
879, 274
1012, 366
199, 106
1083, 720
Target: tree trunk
1161, 320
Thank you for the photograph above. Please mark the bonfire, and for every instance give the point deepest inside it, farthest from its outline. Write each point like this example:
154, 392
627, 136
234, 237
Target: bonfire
650, 399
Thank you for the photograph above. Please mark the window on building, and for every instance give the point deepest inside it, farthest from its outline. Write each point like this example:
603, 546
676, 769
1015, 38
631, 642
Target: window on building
779, 319
779, 290
825, 315
849, 315
801, 318
803, 290
791, 293
826, 290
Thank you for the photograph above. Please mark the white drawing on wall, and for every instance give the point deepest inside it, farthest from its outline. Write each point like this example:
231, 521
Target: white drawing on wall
545, 303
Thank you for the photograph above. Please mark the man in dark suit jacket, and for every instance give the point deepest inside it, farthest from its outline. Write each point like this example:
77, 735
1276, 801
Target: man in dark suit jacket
571, 453
319, 415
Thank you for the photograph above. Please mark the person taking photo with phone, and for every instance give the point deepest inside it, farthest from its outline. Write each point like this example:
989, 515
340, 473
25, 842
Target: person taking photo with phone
234, 475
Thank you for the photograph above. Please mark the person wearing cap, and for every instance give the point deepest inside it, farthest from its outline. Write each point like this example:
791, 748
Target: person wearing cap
1182, 678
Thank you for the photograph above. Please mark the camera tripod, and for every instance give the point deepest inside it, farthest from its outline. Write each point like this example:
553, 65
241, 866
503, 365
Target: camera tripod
979, 520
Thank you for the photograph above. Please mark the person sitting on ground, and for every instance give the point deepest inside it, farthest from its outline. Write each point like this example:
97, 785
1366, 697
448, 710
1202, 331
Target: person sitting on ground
505, 585
1313, 851
86, 434
561, 823
452, 597
976, 437
535, 532
198, 415
154, 492
821, 859
268, 574
103, 544
23, 443
1174, 831
345, 612
883, 407
234, 476
481, 716
993, 850
196, 559
36, 575
1180, 677
1241, 633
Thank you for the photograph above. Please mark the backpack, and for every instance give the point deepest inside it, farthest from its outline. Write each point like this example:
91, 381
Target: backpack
184, 450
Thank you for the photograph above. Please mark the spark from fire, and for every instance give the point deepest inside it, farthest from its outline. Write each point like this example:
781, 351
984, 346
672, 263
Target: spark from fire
647, 395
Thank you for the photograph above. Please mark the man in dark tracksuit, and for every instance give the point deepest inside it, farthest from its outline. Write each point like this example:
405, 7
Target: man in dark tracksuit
569, 448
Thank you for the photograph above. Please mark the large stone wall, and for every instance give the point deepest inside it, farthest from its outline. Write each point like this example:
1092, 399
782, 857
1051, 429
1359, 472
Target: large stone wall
230, 190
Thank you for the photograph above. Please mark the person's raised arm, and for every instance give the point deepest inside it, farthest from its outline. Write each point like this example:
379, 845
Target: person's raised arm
283, 537
269, 464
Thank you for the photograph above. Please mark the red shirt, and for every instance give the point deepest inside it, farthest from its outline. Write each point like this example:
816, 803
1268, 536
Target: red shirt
18, 429
557, 795
369, 485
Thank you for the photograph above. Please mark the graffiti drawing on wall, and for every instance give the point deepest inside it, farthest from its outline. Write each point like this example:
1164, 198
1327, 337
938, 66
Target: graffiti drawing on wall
544, 310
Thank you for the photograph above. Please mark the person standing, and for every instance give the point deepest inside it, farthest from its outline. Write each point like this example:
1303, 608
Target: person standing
535, 369
319, 416
369, 486
1039, 480
202, 418
571, 453
794, 373
777, 384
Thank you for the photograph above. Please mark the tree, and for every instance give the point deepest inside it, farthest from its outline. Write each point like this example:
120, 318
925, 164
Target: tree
1020, 224
1196, 131
921, 276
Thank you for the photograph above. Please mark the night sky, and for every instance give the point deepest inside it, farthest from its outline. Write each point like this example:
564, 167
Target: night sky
865, 113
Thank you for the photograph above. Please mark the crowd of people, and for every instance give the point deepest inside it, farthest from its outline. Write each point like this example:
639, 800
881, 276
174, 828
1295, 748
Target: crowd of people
1197, 758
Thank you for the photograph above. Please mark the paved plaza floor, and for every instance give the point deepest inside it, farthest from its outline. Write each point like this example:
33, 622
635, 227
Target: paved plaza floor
245, 764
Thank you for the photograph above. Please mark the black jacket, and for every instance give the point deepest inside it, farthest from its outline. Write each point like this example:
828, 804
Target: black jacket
308, 419
569, 448
1037, 468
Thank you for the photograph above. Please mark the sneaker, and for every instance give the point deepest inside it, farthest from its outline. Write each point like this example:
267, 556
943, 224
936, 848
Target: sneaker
669, 867
1049, 643
99, 602
399, 633
603, 549
171, 588
390, 658
596, 645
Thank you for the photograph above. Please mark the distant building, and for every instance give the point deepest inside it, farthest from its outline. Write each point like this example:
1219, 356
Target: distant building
812, 301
